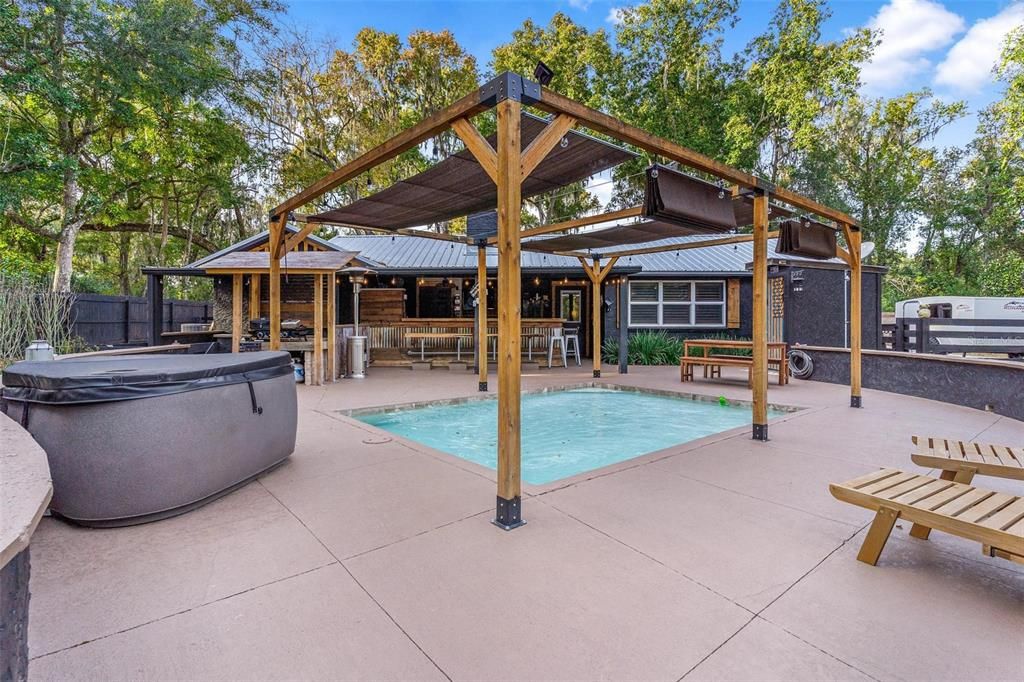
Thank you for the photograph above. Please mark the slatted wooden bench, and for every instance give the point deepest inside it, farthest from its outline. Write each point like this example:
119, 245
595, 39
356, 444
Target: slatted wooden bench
714, 364
996, 520
961, 460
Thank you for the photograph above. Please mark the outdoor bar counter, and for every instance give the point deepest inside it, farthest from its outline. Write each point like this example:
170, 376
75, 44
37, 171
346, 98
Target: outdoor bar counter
394, 335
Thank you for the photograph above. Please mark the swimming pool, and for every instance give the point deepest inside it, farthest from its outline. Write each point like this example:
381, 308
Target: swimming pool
565, 432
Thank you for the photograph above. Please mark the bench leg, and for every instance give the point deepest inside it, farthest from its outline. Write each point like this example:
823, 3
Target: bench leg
964, 476
879, 532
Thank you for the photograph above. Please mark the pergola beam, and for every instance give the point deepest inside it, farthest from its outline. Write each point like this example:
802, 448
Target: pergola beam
853, 244
597, 121
661, 248
432, 125
542, 145
478, 146
759, 371
481, 317
577, 222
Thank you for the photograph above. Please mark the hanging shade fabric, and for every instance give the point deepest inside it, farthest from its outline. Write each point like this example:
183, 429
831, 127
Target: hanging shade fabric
811, 240
607, 237
675, 197
459, 186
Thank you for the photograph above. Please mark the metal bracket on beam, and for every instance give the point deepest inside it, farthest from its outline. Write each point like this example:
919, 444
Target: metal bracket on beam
761, 432
855, 401
509, 513
597, 374
482, 386
765, 186
509, 85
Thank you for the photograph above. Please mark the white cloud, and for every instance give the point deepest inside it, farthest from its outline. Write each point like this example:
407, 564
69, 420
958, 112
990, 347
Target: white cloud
910, 30
967, 67
615, 15
580, 4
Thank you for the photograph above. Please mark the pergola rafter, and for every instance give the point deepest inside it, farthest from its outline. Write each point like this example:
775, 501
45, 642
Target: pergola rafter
507, 165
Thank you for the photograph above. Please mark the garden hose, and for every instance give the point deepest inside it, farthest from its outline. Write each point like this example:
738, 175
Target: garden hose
800, 364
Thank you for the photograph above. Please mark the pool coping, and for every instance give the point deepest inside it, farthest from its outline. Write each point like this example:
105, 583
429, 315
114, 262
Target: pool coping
351, 416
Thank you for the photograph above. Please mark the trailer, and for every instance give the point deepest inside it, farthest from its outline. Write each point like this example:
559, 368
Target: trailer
963, 324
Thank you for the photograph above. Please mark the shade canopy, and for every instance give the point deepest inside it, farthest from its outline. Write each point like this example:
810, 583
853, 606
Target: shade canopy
244, 262
459, 186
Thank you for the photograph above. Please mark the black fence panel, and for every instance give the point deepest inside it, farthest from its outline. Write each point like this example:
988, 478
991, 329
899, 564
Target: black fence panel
124, 320
941, 335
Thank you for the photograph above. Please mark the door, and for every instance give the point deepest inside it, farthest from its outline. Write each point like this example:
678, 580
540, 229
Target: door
571, 306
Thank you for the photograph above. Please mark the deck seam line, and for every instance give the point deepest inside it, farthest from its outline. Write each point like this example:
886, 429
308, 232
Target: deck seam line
184, 611
361, 586
647, 556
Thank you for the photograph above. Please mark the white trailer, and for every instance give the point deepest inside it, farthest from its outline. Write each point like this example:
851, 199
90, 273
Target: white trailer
1003, 312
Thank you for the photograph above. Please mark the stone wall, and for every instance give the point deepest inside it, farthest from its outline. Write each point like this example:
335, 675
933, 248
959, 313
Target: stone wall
994, 385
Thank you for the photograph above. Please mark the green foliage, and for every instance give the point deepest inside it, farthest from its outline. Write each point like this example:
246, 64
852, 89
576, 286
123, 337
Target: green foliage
645, 348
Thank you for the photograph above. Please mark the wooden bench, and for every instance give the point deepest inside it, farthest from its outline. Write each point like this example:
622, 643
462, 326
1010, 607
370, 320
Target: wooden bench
961, 460
714, 363
996, 520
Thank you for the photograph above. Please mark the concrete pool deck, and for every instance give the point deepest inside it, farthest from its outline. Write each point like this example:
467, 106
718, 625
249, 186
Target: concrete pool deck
374, 558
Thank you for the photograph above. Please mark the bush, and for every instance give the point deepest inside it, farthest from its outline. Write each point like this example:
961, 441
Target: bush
658, 348
28, 311
645, 348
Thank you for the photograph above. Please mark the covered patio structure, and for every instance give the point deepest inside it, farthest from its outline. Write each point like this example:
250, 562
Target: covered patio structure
527, 158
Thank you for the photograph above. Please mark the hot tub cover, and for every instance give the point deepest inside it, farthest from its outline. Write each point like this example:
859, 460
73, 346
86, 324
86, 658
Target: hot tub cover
129, 377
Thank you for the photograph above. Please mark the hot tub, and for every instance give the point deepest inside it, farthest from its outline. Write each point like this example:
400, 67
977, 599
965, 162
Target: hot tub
135, 438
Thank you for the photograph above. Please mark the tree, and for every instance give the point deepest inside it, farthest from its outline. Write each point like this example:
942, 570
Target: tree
872, 161
110, 106
793, 80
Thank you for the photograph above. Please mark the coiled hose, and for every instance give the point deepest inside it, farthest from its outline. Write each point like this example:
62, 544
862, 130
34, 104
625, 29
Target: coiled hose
800, 364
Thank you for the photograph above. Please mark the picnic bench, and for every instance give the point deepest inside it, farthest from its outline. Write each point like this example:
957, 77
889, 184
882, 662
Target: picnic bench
996, 520
713, 362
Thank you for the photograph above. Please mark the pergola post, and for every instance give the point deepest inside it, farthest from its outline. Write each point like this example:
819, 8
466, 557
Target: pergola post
274, 248
155, 301
332, 332
759, 376
236, 312
509, 180
254, 296
318, 323
595, 314
853, 239
623, 326
481, 316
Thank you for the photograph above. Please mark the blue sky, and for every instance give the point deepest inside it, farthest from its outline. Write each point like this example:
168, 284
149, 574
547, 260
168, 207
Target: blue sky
947, 45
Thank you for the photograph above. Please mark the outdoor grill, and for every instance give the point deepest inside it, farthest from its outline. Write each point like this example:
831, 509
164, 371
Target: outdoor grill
290, 329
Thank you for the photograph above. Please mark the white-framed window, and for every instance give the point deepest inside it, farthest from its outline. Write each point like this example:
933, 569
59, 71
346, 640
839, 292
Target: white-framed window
676, 303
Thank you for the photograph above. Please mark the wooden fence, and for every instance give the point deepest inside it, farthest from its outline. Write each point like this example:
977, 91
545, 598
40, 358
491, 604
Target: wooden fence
941, 335
124, 320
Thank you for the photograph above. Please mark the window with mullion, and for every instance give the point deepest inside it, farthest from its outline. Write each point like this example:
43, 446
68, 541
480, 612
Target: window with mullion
677, 303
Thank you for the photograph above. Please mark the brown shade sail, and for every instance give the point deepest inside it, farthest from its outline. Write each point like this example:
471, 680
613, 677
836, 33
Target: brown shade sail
810, 240
459, 186
674, 197
607, 237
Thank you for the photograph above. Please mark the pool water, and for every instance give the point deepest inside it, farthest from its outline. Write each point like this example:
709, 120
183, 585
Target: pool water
565, 432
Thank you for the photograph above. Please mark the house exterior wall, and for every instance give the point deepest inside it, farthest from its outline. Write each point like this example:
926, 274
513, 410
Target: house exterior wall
814, 312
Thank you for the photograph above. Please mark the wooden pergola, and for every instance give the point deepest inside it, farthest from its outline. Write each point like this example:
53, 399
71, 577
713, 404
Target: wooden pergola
321, 265
508, 165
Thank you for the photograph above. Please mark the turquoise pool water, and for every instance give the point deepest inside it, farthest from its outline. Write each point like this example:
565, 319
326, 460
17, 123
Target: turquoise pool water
565, 432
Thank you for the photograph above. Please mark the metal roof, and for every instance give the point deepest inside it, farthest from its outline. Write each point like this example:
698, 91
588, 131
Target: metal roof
295, 261
407, 253
253, 241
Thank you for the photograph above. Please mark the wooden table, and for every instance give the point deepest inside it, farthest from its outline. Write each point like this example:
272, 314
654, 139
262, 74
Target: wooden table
423, 337
774, 348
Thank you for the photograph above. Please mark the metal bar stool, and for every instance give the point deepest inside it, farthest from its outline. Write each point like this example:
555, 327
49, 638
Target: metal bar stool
571, 334
557, 337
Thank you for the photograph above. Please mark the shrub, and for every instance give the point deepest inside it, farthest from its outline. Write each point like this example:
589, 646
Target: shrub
28, 311
645, 348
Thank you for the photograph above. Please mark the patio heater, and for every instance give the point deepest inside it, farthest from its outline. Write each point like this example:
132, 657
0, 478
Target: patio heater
357, 350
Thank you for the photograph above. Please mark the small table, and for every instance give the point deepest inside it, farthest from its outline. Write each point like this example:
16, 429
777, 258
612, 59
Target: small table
707, 345
529, 336
423, 337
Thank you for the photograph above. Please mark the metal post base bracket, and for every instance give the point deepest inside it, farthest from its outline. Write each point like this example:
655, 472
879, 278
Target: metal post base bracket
760, 432
482, 386
597, 374
509, 513
855, 401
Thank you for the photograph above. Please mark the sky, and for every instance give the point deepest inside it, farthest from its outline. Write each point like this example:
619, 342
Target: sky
949, 46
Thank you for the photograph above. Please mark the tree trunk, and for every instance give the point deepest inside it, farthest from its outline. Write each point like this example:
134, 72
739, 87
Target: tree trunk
124, 243
70, 225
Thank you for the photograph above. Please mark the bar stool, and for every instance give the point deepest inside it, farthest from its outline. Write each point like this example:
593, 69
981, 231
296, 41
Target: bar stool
571, 335
568, 340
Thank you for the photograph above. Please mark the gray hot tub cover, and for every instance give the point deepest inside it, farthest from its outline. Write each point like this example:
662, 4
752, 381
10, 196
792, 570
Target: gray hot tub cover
129, 377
